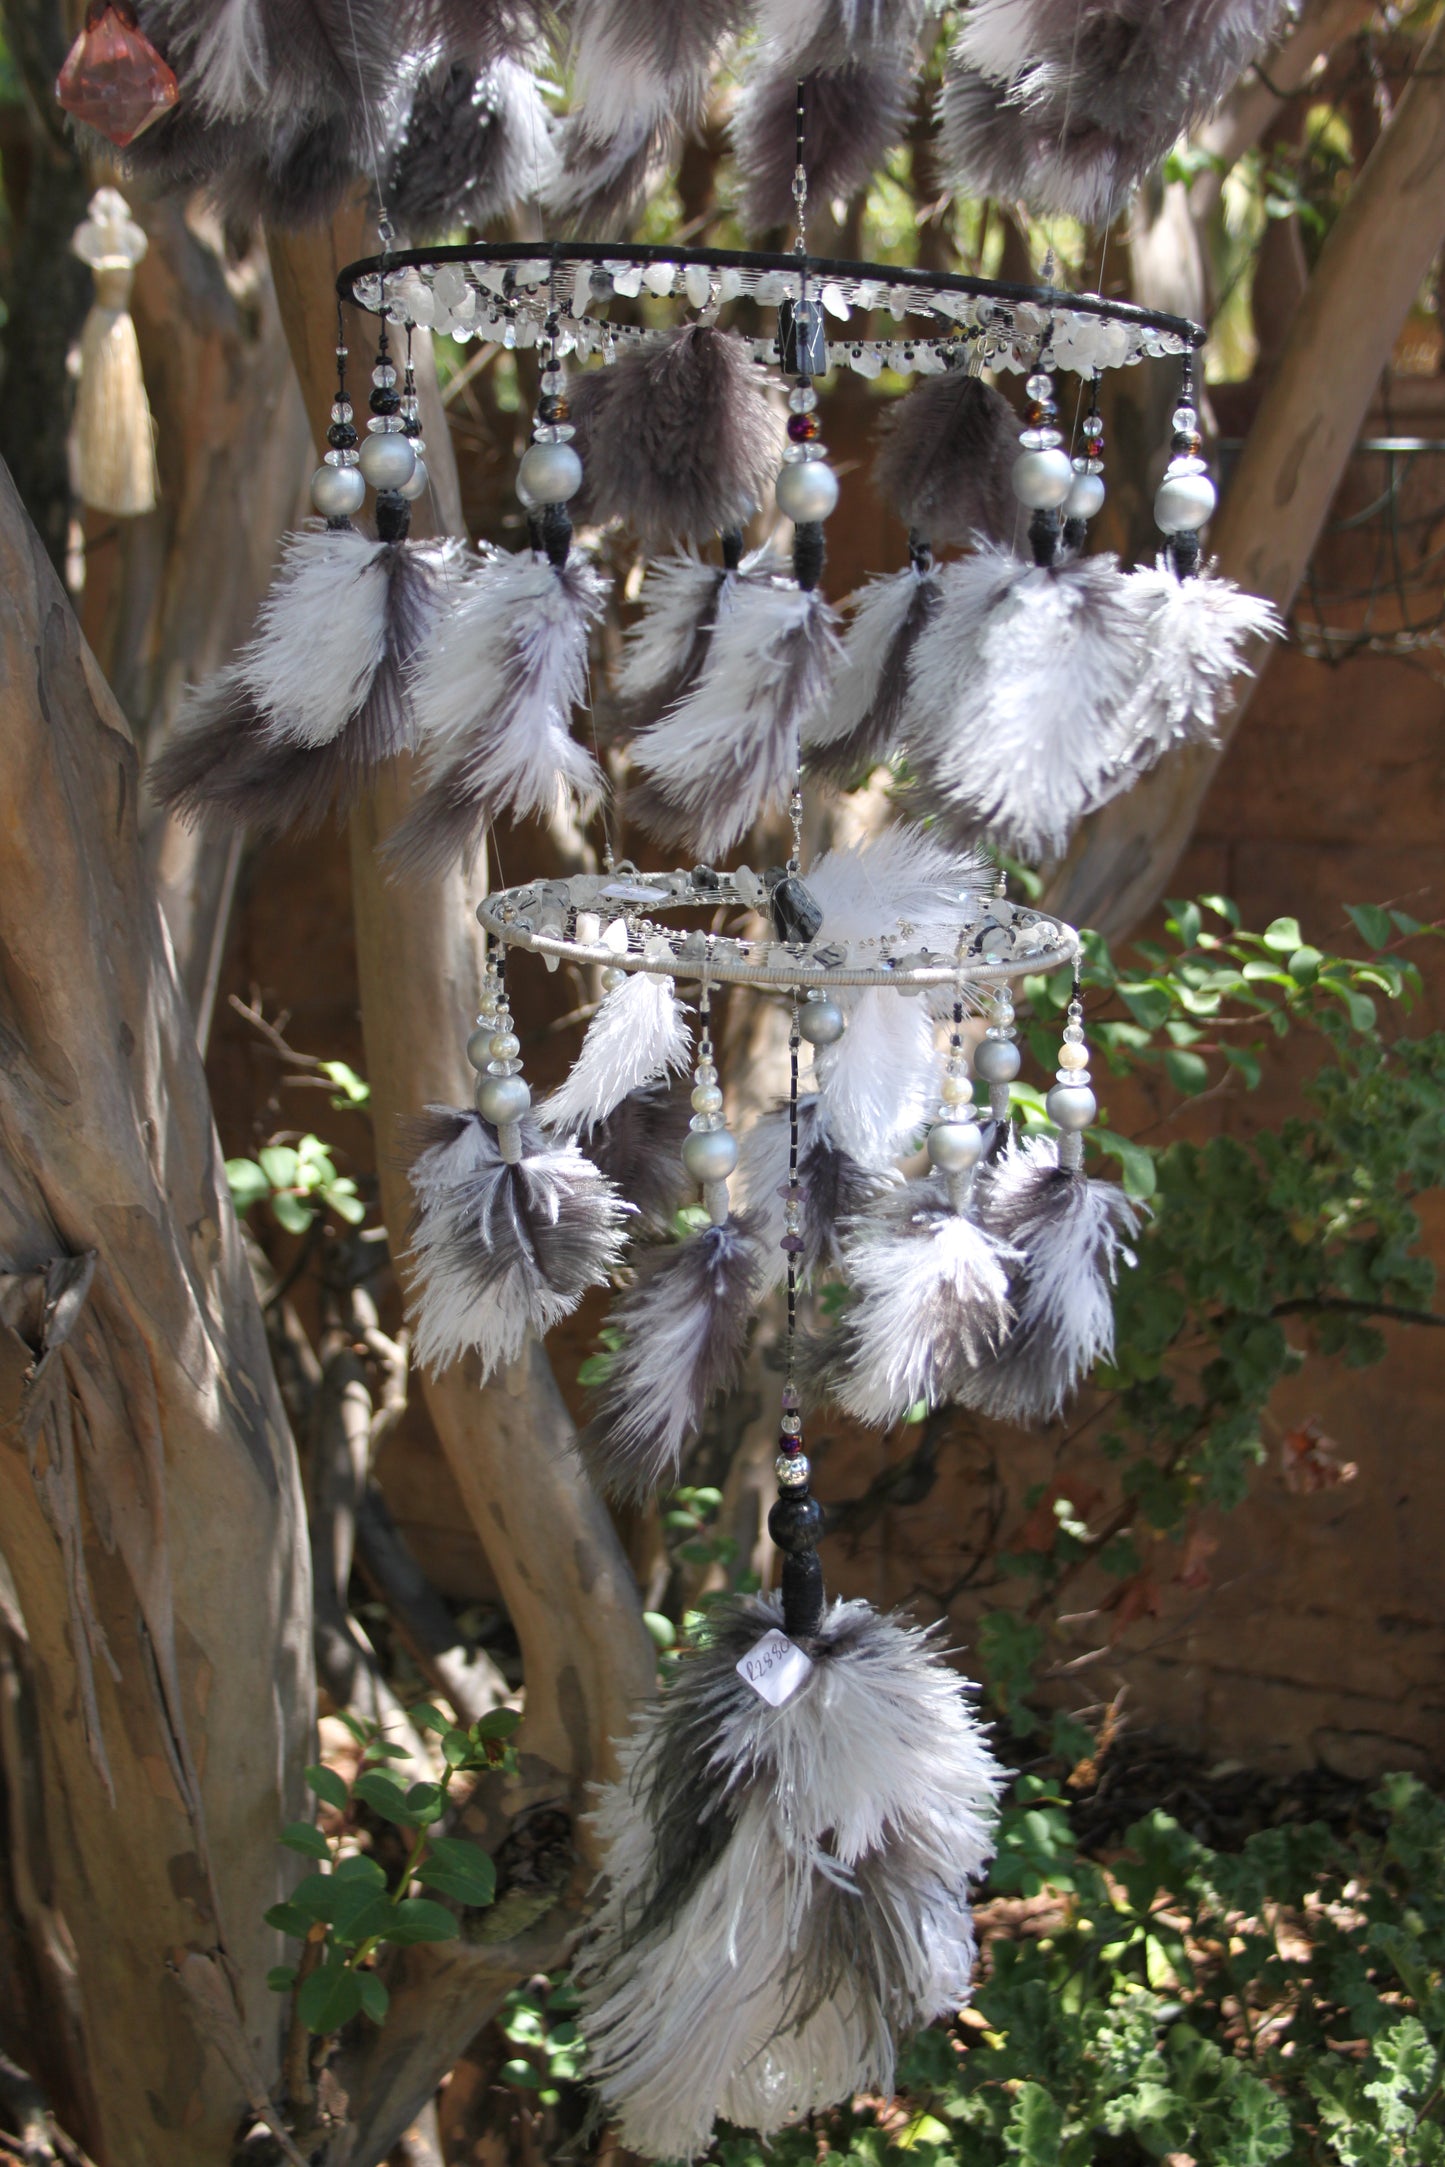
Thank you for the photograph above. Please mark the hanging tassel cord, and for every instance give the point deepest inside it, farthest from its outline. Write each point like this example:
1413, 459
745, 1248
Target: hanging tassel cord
796, 1520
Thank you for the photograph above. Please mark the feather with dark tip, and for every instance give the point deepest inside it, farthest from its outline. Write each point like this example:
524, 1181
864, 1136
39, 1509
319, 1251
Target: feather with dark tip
638, 1147
788, 1889
600, 182
683, 600
476, 32
945, 459
471, 146
795, 30
1073, 1234
855, 109
864, 718
685, 1332
500, 1250
835, 1186
679, 438
222, 768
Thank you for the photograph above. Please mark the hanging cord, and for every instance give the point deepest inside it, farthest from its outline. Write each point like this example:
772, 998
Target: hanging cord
796, 1520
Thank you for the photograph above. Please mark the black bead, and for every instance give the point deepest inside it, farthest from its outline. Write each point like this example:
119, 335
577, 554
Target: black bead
393, 516
386, 399
732, 549
551, 408
796, 1523
1184, 552
803, 1598
341, 436
802, 339
556, 531
796, 912
808, 554
1044, 531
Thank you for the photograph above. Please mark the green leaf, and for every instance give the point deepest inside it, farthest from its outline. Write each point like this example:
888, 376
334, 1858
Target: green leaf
1304, 965
330, 1998
281, 1978
1034, 2127
247, 1183
356, 1868
361, 1732
461, 1871
522, 2074
595, 1369
347, 1205
301, 1836
426, 1801
1141, 1177
416, 1918
1371, 922
291, 1213
1188, 1072
497, 1723
353, 1090
426, 1717
1247, 1063
289, 1919
375, 2000
662, 1629
385, 1796
1223, 907
328, 1786
1282, 936
280, 1165
1148, 1005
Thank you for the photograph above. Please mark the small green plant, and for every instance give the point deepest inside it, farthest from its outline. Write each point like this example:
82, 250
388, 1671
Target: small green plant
298, 1181
348, 1911
539, 2021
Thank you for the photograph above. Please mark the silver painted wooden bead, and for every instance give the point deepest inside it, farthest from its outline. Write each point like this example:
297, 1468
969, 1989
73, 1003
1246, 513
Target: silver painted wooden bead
503, 1098
388, 461
955, 1146
710, 1154
1042, 479
549, 474
997, 1060
1085, 497
806, 492
1183, 502
1071, 1106
479, 1046
419, 483
337, 492
821, 1021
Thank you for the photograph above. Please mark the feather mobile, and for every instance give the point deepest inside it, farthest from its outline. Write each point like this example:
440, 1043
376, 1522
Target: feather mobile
638, 1035
727, 751
493, 698
864, 718
683, 599
685, 1330
788, 1887
1073, 1233
836, 1188
501, 1249
679, 439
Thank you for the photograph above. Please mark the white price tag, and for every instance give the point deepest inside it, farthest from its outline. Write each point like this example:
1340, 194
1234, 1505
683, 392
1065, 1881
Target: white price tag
774, 1667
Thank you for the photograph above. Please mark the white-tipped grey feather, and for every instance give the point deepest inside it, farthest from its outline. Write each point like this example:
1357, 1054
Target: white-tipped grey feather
899, 878
683, 601
836, 1187
1073, 1233
865, 715
1018, 686
637, 1035
728, 751
930, 1302
640, 62
500, 1250
226, 66
320, 634
788, 1890
1197, 632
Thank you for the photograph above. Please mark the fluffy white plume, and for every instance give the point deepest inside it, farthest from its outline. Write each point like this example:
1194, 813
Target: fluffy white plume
793, 27
494, 697
864, 716
930, 1302
900, 877
498, 1251
683, 600
835, 1186
685, 1331
1196, 632
1073, 1233
320, 634
638, 1034
998, 36
639, 62
787, 1889
878, 1082
1018, 685
728, 751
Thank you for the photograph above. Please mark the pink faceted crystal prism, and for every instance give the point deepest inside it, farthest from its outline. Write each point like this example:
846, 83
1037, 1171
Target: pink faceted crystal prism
113, 76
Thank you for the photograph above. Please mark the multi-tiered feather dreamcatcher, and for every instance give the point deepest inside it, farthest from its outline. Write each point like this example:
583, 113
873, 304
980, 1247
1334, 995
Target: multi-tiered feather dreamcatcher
792, 1840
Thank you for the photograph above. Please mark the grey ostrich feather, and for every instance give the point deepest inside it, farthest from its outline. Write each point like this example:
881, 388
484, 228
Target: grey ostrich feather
679, 439
1073, 1234
855, 108
472, 145
222, 768
836, 1187
865, 716
683, 601
685, 1331
601, 181
788, 1890
945, 460
499, 1250
638, 1147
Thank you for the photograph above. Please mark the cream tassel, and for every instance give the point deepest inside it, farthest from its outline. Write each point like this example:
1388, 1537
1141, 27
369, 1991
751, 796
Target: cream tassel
113, 435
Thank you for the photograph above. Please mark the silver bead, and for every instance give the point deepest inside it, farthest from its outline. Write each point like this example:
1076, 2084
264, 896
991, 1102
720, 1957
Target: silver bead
549, 474
503, 1098
1042, 479
821, 1021
479, 1046
954, 1146
807, 493
1183, 502
337, 492
792, 1470
1085, 498
388, 462
710, 1154
997, 1060
419, 484
1071, 1106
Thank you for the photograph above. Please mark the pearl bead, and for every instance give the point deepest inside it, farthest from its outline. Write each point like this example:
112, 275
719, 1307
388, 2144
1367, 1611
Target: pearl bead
707, 1099
997, 1060
503, 1098
419, 483
387, 461
1184, 501
479, 1046
1073, 1056
1071, 1106
710, 1154
821, 1021
1042, 479
956, 1091
955, 1146
807, 492
337, 492
1085, 497
612, 979
549, 474
505, 1046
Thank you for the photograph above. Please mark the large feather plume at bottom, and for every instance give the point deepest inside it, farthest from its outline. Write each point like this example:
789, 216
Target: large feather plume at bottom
501, 1250
1197, 632
685, 1332
1073, 1234
787, 1888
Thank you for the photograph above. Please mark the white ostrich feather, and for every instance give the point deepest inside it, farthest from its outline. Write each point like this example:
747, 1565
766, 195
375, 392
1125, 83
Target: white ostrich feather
795, 30
1021, 679
639, 1033
878, 1082
1196, 634
729, 749
639, 63
999, 36
931, 1301
223, 49
320, 634
864, 716
683, 600
900, 882
787, 1889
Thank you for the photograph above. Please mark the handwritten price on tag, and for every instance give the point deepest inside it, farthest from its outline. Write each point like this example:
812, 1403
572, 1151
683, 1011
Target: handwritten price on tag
774, 1667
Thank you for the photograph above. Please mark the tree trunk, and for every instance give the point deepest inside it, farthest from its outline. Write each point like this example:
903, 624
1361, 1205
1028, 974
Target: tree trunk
1382, 245
152, 1516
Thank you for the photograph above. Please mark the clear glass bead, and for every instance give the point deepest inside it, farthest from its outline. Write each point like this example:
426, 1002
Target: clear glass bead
341, 410
1093, 426
1093, 466
553, 432
383, 376
802, 399
792, 1425
815, 450
1183, 417
1031, 439
1039, 386
792, 1470
1050, 439
553, 381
